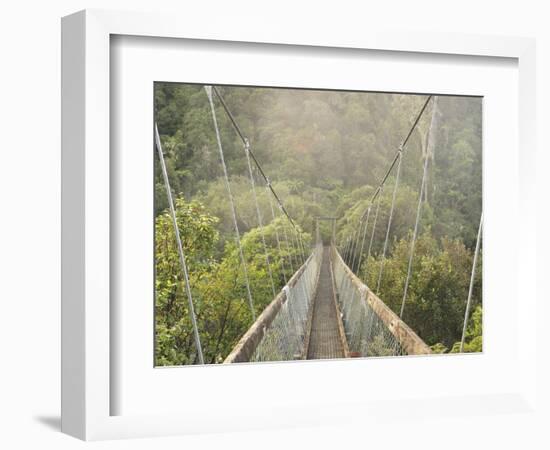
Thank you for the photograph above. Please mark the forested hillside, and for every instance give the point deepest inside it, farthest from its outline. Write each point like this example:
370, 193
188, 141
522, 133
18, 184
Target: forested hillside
325, 153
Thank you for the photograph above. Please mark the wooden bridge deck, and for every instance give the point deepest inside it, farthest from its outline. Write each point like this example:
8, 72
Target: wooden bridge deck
325, 340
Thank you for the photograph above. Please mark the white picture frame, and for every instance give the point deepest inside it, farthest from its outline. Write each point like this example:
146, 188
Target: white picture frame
87, 386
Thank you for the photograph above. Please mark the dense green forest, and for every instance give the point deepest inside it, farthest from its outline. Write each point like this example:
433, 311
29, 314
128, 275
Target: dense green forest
325, 153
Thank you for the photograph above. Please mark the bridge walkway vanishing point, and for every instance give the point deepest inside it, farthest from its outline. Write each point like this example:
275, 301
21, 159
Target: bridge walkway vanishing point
326, 312
325, 337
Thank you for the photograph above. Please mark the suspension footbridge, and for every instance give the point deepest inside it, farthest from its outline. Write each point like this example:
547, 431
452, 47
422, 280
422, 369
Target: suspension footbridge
324, 309
326, 312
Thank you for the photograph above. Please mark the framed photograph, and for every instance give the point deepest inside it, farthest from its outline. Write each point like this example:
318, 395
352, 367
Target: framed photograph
267, 228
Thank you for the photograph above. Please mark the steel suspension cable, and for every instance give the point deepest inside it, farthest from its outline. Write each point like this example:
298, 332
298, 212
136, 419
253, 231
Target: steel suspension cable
471, 288
254, 159
259, 216
400, 149
231, 201
397, 159
383, 260
183, 262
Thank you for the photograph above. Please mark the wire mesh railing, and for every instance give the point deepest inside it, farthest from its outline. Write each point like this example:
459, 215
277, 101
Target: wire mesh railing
371, 327
280, 331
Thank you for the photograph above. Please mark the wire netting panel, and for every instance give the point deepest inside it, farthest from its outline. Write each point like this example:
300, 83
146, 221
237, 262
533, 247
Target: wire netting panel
285, 338
366, 333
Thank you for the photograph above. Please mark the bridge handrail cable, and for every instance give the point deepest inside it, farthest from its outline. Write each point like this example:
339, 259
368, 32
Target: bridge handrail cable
288, 336
358, 323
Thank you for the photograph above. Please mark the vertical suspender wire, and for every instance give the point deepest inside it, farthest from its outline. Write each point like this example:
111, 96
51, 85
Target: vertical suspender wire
383, 260
296, 242
351, 245
294, 234
415, 233
305, 253
358, 273
372, 233
208, 90
345, 248
307, 248
339, 245
350, 248
298, 238
301, 245
344, 256
317, 232
355, 244
277, 238
290, 250
418, 212
295, 247
180, 247
259, 215
471, 289
346, 251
